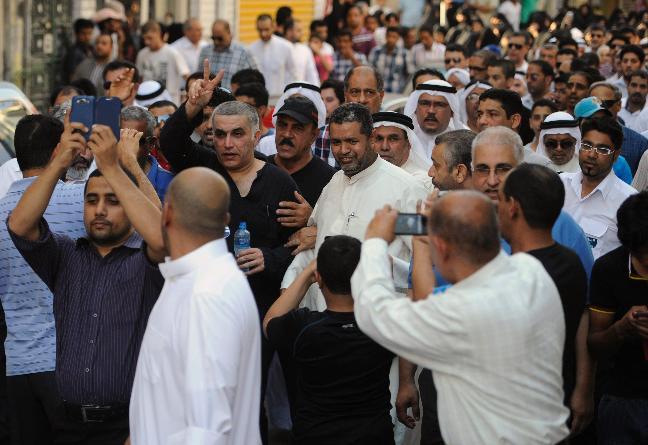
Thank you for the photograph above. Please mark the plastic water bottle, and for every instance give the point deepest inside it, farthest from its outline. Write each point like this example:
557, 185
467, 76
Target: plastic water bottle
241, 239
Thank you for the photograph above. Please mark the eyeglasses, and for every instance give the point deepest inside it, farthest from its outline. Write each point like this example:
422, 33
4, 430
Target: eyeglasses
217, 38
500, 170
600, 149
609, 103
476, 68
515, 46
565, 144
369, 93
533, 77
453, 60
633, 275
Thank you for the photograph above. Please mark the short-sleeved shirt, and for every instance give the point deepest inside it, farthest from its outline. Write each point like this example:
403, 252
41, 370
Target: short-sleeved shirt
166, 66
311, 179
613, 291
567, 272
342, 375
101, 306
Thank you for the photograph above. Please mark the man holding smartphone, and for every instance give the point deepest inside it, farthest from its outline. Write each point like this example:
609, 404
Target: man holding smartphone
104, 284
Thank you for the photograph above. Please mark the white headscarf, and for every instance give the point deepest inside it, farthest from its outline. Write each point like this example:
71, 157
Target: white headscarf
559, 123
398, 120
462, 74
150, 92
464, 95
434, 88
308, 90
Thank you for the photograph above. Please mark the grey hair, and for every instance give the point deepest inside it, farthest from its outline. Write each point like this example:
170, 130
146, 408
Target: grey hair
59, 111
500, 136
134, 113
186, 26
236, 108
615, 90
458, 147
353, 112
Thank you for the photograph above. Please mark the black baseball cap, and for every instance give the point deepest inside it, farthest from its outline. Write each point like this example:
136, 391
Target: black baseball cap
300, 108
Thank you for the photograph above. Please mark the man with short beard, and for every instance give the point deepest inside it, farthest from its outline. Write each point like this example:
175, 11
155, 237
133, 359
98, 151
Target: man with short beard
104, 284
634, 111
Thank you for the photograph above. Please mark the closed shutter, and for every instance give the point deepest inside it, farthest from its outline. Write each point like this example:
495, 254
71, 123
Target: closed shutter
249, 10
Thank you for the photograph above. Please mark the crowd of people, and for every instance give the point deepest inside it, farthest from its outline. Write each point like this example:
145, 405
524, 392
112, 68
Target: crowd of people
135, 311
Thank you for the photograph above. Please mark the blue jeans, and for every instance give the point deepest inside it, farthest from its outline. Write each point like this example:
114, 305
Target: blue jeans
622, 421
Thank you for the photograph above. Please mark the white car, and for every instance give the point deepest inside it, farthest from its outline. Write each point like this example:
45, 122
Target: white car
14, 105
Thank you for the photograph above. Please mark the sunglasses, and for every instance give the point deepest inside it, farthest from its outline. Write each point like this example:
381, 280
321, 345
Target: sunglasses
609, 103
477, 68
515, 46
565, 144
452, 60
217, 38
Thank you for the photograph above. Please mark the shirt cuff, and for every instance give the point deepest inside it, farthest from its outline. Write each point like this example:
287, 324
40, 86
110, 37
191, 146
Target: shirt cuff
26, 245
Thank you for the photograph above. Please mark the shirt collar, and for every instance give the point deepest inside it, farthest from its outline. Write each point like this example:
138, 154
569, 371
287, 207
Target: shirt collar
134, 241
485, 273
366, 172
605, 186
188, 263
153, 171
20, 185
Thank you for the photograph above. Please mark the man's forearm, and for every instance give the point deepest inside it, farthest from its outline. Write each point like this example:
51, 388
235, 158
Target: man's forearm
406, 371
290, 298
142, 213
25, 218
423, 281
605, 343
585, 364
145, 186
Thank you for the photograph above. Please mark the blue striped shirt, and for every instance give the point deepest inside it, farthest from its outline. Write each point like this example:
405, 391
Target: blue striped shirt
30, 346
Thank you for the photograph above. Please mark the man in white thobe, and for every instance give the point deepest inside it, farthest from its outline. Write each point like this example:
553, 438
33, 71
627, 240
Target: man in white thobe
198, 378
494, 340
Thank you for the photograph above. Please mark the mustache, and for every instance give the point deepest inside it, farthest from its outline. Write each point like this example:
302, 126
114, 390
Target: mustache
286, 141
431, 117
102, 221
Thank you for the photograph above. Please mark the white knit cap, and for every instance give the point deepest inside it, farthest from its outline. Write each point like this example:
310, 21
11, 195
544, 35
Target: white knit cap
462, 74
308, 90
150, 92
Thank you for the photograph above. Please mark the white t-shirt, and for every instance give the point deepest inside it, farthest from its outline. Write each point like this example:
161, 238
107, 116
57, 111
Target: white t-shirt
512, 12
190, 52
165, 65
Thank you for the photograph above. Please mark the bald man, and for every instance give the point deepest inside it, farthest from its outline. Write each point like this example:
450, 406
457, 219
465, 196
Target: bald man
499, 327
198, 375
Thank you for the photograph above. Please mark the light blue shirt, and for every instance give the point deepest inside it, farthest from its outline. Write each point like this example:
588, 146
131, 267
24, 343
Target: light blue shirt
30, 346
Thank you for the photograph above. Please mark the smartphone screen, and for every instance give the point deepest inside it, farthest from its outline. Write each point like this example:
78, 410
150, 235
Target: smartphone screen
107, 111
410, 224
83, 111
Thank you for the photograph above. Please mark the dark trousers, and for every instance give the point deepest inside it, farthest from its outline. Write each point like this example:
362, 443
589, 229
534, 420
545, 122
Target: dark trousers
38, 416
622, 421
430, 430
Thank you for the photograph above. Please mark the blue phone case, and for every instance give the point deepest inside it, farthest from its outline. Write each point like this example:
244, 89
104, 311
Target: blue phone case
107, 111
83, 111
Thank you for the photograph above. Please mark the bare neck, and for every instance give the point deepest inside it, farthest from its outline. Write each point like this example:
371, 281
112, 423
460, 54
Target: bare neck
589, 183
525, 239
337, 302
295, 164
181, 244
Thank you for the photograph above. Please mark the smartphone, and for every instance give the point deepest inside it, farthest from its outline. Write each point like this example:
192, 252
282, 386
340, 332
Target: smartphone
83, 111
107, 112
410, 224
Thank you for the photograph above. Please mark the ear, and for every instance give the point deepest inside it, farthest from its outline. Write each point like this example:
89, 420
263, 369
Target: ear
263, 110
318, 279
167, 214
460, 173
441, 248
509, 83
516, 120
514, 209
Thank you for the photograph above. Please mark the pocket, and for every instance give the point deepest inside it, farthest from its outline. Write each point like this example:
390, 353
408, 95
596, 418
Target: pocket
594, 231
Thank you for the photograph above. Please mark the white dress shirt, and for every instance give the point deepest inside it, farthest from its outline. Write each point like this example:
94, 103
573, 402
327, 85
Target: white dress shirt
274, 59
9, 172
596, 212
190, 52
347, 205
198, 377
637, 121
305, 69
493, 340
428, 57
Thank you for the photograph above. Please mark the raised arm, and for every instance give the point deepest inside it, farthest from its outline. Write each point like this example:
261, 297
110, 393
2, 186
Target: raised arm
25, 218
292, 296
128, 147
142, 213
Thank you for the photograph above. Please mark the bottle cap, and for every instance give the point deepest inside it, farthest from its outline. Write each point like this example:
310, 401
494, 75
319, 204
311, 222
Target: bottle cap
242, 225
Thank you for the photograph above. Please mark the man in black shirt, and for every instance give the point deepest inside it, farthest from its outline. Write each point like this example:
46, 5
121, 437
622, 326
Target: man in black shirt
296, 131
342, 375
529, 203
619, 327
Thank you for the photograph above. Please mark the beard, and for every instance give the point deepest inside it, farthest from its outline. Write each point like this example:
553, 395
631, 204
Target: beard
108, 237
78, 171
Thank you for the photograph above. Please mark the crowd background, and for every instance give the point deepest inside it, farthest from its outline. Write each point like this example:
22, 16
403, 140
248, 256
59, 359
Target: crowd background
540, 110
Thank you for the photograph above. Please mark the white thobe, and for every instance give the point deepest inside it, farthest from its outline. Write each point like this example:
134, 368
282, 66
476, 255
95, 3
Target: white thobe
596, 212
493, 340
190, 52
347, 205
9, 172
305, 69
418, 170
198, 378
274, 59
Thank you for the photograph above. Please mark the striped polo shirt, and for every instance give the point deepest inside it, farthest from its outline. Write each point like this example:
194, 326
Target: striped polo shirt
30, 346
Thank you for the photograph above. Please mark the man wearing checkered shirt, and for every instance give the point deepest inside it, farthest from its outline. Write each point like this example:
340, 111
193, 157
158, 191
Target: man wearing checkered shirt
394, 63
345, 57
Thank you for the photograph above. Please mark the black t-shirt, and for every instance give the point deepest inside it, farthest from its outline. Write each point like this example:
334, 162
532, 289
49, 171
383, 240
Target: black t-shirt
566, 270
612, 290
342, 378
311, 179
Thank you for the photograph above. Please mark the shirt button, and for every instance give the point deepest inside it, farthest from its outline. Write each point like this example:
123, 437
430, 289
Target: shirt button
87, 370
91, 342
94, 315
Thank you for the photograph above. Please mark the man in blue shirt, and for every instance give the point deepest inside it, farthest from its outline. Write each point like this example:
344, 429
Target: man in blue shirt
142, 120
30, 346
